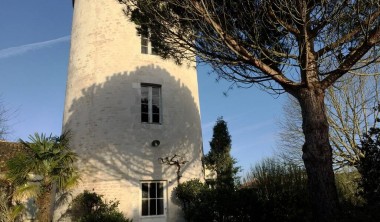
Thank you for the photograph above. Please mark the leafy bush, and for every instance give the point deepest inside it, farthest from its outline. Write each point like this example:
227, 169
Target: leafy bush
272, 192
347, 187
281, 189
90, 207
197, 200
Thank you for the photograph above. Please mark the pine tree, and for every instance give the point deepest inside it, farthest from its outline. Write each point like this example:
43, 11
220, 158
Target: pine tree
219, 158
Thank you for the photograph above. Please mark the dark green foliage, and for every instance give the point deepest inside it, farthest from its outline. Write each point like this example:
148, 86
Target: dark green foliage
219, 159
281, 190
272, 191
201, 203
369, 167
90, 207
197, 200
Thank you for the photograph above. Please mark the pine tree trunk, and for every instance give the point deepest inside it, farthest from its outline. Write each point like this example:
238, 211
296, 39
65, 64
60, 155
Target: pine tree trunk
317, 154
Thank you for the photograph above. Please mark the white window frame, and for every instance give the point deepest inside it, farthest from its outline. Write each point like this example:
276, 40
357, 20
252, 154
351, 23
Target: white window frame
163, 198
150, 103
149, 47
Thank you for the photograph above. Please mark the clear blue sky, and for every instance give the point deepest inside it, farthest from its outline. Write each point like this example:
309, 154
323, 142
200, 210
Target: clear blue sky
34, 52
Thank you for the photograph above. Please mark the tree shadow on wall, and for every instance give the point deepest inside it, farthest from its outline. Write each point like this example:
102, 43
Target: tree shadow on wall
115, 147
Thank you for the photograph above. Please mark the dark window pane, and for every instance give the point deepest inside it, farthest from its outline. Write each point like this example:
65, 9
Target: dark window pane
144, 117
144, 190
155, 109
156, 118
152, 209
152, 190
160, 190
144, 108
144, 208
160, 206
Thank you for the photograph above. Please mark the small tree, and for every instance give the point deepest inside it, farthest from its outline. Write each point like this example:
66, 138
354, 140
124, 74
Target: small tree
219, 158
46, 168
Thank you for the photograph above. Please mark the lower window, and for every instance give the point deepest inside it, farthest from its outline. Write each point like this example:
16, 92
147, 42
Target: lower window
152, 198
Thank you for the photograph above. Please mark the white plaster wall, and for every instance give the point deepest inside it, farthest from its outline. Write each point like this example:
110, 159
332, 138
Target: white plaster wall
102, 110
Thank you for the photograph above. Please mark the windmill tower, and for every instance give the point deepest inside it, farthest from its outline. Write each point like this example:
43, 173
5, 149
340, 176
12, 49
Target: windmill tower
126, 108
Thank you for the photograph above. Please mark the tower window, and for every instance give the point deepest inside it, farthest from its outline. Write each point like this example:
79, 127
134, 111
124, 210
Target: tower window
150, 103
152, 198
146, 45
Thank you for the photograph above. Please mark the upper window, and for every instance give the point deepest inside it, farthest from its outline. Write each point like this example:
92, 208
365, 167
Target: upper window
146, 45
152, 198
150, 103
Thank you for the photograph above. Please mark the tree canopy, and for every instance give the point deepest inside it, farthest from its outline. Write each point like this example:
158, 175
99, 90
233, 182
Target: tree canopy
264, 42
300, 47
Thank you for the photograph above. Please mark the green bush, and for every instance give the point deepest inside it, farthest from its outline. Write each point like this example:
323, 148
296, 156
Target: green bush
196, 199
281, 189
201, 203
272, 191
347, 187
90, 207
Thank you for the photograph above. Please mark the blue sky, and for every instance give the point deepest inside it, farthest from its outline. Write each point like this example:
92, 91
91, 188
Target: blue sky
34, 52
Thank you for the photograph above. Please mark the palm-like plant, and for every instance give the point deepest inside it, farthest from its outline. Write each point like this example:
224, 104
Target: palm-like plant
48, 167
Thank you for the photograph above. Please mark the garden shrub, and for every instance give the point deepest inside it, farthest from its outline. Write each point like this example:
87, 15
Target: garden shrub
272, 191
281, 189
90, 207
197, 200
347, 187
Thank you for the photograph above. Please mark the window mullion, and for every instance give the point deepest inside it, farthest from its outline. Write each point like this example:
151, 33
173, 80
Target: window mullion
150, 106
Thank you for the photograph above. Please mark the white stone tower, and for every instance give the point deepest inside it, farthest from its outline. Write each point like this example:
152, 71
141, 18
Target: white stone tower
126, 108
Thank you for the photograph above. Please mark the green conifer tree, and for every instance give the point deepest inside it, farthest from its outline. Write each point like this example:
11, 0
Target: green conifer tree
369, 166
219, 158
